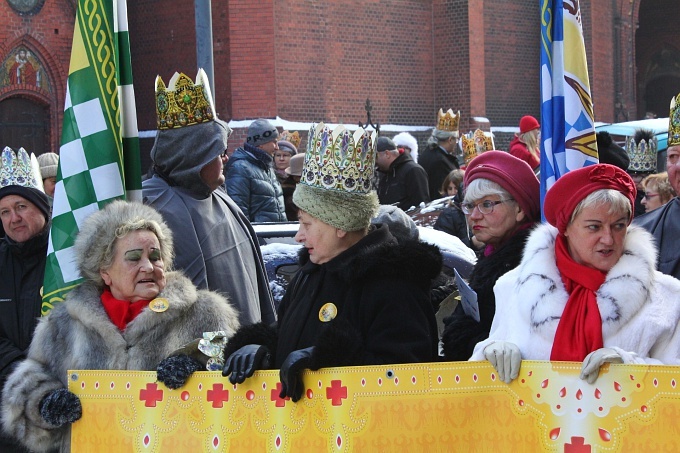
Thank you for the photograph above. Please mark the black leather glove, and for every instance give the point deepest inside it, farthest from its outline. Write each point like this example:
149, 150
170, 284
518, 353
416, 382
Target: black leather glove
291, 382
174, 371
60, 407
245, 361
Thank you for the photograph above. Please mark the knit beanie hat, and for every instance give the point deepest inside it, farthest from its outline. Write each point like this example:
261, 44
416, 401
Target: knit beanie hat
48, 165
285, 145
260, 132
611, 153
570, 189
400, 224
513, 175
528, 123
335, 186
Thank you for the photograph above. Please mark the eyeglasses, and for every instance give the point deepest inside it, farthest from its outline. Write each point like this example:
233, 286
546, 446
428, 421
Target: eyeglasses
650, 195
485, 207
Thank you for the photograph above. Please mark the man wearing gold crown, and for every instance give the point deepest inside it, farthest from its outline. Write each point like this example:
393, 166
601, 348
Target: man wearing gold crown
218, 247
439, 156
25, 215
360, 297
664, 222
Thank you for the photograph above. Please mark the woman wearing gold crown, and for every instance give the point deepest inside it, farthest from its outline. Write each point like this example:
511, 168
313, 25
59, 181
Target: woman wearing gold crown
359, 298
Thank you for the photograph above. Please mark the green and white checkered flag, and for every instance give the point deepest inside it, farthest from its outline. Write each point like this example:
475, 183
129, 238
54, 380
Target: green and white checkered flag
99, 154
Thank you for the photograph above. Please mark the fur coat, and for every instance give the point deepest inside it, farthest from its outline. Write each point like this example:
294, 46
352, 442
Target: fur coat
78, 334
638, 305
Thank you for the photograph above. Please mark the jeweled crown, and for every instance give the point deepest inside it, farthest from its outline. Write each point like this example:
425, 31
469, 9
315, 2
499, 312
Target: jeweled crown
475, 144
448, 121
293, 137
20, 169
642, 154
674, 122
339, 159
183, 102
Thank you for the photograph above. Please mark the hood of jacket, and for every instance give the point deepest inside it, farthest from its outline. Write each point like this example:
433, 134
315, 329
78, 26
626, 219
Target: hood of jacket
179, 155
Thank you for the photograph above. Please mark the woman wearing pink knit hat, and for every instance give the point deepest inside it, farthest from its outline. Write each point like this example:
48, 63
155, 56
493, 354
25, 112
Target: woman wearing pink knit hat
527, 144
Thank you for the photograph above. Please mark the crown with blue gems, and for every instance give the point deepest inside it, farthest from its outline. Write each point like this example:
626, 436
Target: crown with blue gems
19, 169
674, 122
183, 102
641, 149
339, 159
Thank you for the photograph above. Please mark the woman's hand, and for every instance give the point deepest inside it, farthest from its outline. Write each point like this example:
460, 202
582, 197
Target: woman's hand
291, 382
60, 407
505, 358
174, 371
245, 361
593, 361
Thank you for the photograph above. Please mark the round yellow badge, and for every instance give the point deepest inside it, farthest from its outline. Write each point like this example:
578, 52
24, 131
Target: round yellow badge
328, 312
159, 305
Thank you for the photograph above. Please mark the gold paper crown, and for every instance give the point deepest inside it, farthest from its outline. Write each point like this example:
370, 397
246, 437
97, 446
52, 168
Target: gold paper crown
339, 160
20, 169
293, 137
475, 144
184, 103
448, 121
674, 122
642, 154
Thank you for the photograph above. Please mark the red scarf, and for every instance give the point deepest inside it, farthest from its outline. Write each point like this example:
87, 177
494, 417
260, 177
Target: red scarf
579, 331
121, 312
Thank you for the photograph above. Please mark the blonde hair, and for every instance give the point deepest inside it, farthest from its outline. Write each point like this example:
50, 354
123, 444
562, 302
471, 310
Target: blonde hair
530, 138
662, 184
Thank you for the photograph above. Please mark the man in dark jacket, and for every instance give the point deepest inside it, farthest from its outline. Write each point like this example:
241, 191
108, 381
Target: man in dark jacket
25, 214
401, 181
250, 177
439, 156
664, 222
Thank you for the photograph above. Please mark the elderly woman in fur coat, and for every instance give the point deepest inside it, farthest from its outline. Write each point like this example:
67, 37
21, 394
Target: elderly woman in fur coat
128, 314
587, 289
360, 297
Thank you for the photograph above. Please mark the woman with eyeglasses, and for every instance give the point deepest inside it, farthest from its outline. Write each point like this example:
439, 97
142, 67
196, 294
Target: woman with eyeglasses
587, 289
501, 205
658, 191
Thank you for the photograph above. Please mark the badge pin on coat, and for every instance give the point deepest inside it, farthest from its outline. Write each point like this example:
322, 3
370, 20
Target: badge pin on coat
328, 312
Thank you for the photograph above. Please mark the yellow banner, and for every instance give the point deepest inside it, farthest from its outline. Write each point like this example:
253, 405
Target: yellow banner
456, 406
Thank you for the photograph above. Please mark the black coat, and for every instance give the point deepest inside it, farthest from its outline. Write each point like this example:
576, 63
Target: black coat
664, 224
381, 291
452, 220
404, 183
437, 164
22, 268
461, 332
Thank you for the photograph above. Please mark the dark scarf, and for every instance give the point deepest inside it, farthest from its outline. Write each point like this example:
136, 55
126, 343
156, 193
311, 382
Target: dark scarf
579, 331
121, 312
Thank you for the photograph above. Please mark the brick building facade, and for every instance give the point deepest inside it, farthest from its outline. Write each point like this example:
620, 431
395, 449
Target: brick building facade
307, 61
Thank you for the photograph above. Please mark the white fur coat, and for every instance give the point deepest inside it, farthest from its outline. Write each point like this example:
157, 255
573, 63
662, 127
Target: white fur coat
639, 306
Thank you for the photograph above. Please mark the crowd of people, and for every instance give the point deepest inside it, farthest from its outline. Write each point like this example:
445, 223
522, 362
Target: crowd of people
598, 283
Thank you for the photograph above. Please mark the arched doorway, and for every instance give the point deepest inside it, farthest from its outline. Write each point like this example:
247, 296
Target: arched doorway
25, 123
658, 94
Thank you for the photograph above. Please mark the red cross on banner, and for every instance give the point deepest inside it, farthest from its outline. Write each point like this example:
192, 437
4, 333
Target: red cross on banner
280, 402
151, 395
218, 395
336, 392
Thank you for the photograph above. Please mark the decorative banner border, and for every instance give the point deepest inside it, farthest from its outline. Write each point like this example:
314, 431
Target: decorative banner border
418, 407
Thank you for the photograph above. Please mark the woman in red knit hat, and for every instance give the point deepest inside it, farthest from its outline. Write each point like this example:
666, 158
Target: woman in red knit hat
587, 289
501, 205
526, 144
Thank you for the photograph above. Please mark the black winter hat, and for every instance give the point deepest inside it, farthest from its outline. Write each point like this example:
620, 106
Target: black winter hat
610, 152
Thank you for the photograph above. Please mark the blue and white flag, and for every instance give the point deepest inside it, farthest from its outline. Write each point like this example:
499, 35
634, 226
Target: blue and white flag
567, 119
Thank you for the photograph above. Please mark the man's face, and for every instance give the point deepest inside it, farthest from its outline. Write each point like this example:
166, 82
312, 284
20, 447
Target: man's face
384, 159
673, 166
270, 147
21, 219
212, 173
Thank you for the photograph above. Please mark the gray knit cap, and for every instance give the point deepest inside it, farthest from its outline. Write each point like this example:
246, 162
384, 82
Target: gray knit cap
48, 165
260, 132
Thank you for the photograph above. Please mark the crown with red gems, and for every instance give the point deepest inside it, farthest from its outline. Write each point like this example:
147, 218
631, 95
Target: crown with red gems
20, 169
183, 102
448, 121
475, 144
339, 159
